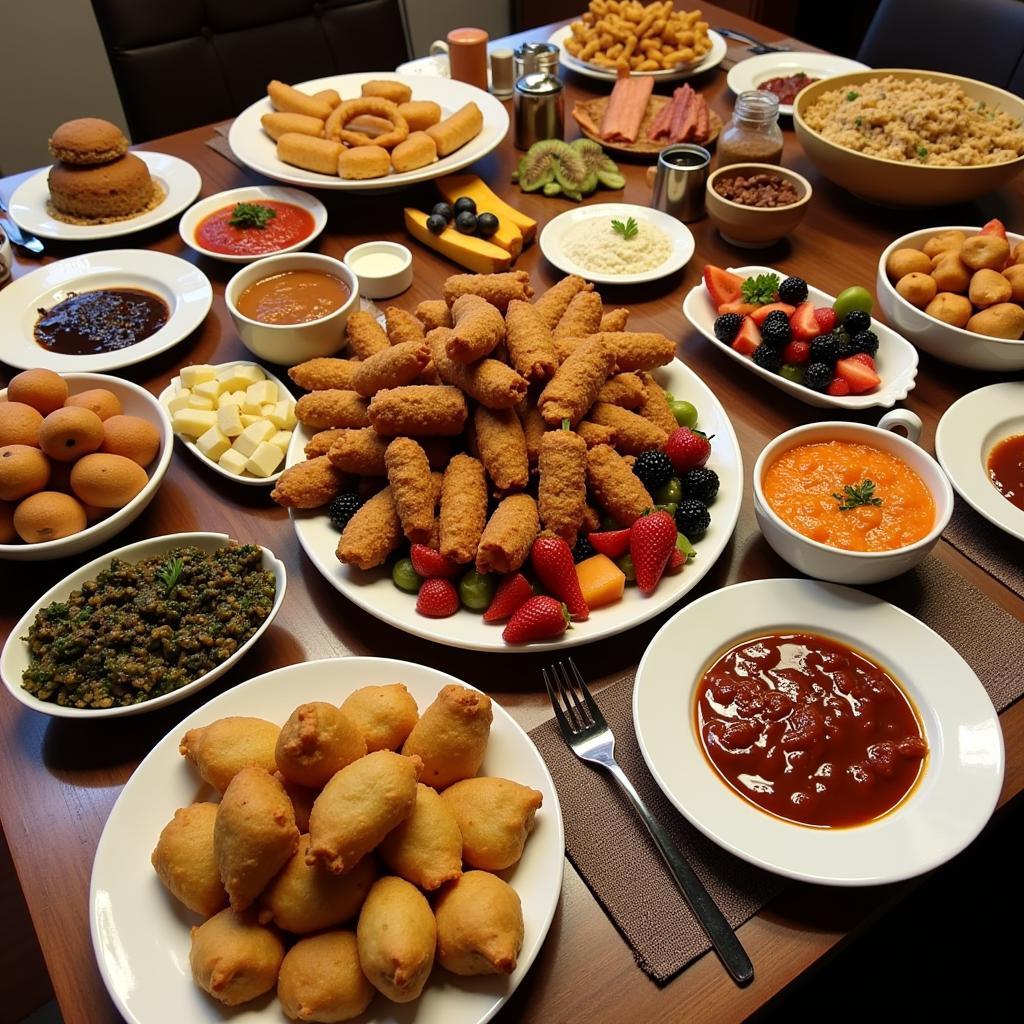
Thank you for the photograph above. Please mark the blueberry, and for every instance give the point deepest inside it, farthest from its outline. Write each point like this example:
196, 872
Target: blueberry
465, 221
436, 223
486, 225
442, 210
464, 205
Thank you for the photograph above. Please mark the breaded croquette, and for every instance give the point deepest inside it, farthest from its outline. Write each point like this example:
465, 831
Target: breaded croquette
509, 533
325, 374
625, 389
419, 409
565, 344
633, 433
498, 289
463, 508
372, 533
574, 388
562, 484
434, 313
639, 350
591, 519
534, 429
278, 123
308, 484
490, 382
323, 410
594, 434
502, 447
409, 478
581, 317
290, 100
391, 367
360, 452
479, 327
451, 736
320, 443
615, 487
554, 302
365, 336
614, 320
402, 326
655, 405
531, 349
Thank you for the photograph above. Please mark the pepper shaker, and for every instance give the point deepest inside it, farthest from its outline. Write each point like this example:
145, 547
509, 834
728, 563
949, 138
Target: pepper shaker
539, 109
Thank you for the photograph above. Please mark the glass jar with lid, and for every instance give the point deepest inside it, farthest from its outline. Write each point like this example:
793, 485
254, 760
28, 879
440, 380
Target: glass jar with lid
753, 135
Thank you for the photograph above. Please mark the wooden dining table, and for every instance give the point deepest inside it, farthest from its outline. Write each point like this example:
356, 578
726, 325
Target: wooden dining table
59, 777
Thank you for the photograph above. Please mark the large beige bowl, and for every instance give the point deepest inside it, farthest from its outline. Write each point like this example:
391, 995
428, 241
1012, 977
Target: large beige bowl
755, 227
894, 182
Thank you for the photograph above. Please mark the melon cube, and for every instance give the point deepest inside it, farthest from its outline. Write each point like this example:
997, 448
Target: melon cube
179, 401
209, 388
262, 393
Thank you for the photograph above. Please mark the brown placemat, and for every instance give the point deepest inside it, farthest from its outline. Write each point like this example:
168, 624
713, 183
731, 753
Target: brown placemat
987, 546
612, 852
219, 143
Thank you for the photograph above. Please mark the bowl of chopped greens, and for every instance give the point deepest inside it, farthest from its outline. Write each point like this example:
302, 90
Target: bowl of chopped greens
143, 626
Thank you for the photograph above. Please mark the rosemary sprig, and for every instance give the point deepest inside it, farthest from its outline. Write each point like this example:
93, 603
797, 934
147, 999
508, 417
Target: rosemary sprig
170, 573
251, 215
628, 230
855, 495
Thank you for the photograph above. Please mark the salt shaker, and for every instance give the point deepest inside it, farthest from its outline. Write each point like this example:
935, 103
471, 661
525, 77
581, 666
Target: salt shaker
533, 57
539, 109
503, 78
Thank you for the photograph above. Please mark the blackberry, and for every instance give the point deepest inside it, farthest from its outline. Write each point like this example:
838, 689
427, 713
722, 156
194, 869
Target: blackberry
776, 316
692, 519
343, 508
856, 321
727, 326
582, 550
776, 332
817, 376
768, 357
824, 349
700, 483
844, 348
653, 469
793, 290
865, 341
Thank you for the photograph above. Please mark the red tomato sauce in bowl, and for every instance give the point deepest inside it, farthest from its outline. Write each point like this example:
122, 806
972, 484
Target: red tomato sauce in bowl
289, 226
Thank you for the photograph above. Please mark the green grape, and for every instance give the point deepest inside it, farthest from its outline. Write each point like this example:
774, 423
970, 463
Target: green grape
477, 590
668, 506
792, 372
854, 297
672, 491
404, 576
684, 412
625, 563
685, 546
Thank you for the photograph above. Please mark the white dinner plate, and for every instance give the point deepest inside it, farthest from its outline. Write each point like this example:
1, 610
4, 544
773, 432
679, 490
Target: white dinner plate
140, 934
711, 59
896, 359
180, 181
948, 806
553, 235
184, 288
374, 592
15, 658
750, 72
965, 436
256, 149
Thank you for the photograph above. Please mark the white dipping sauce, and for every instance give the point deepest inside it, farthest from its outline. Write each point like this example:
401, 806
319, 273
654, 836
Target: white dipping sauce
378, 264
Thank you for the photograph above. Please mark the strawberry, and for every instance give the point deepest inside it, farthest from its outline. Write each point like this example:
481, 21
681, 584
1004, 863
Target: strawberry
861, 378
737, 306
803, 324
613, 543
761, 313
721, 285
748, 338
687, 449
437, 598
797, 352
863, 357
838, 388
652, 539
675, 561
512, 591
994, 227
430, 564
826, 317
537, 618
552, 561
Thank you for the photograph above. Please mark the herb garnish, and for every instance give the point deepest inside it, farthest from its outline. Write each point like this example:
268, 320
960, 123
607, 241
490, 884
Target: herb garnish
855, 495
760, 290
170, 573
251, 215
851, 96
628, 230
922, 152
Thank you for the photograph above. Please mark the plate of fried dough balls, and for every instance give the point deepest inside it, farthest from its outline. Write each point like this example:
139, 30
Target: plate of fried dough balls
350, 839
367, 130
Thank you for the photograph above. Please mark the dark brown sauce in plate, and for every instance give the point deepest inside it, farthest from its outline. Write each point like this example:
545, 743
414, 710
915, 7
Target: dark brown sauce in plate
105, 320
1006, 469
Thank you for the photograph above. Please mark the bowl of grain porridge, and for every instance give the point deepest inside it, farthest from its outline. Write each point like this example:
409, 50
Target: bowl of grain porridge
901, 137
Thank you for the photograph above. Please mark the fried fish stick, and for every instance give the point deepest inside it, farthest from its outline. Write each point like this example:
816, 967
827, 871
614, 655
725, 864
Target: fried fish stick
325, 373
581, 317
419, 409
491, 383
402, 326
633, 434
277, 123
655, 405
411, 488
594, 434
309, 152
615, 487
562, 486
502, 446
498, 289
554, 302
534, 429
574, 388
391, 367
308, 484
508, 535
360, 452
434, 313
320, 443
531, 349
614, 320
624, 389
479, 327
333, 407
372, 533
466, 123
291, 101
463, 508
366, 337
639, 350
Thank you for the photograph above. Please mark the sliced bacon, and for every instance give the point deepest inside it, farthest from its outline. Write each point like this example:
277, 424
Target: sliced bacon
660, 125
683, 117
703, 121
626, 108
582, 117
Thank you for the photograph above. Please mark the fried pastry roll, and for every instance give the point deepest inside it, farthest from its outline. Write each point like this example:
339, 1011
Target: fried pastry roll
185, 861
332, 407
401, 326
624, 389
479, 925
372, 533
555, 301
291, 101
391, 367
502, 447
498, 289
419, 409
325, 373
360, 452
488, 381
531, 349
633, 433
411, 487
434, 313
309, 152
495, 816
451, 736
614, 320
614, 485
639, 350
466, 123
277, 123
562, 483
508, 535
317, 740
566, 344
418, 150
479, 327
223, 748
331, 96
594, 434
358, 163
463, 508
574, 388
321, 980
655, 405
365, 336
309, 484
426, 849
384, 715
581, 317
397, 92
420, 114
234, 958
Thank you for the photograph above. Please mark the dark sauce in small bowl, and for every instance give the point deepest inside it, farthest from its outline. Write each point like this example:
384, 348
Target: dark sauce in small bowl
106, 320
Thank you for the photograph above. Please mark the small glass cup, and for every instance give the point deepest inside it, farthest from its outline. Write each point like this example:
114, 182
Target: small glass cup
680, 181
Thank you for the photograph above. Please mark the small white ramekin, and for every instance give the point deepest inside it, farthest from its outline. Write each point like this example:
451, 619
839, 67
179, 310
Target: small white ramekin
380, 286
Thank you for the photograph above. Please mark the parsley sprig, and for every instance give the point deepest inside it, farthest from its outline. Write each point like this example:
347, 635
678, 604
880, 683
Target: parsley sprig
251, 215
170, 573
760, 290
855, 495
628, 230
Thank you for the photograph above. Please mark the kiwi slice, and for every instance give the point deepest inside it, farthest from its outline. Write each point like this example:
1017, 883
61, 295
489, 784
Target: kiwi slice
599, 164
611, 179
538, 167
552, 188
572, 174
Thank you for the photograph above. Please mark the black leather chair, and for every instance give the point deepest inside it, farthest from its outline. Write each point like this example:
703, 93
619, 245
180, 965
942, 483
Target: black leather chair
184, 63
981, 39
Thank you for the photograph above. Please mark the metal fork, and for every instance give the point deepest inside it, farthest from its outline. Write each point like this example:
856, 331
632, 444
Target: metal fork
18, 237
588, 735
757, 46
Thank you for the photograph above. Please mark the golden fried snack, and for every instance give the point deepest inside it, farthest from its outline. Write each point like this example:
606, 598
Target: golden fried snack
489, 381
276, 124
624, 389
361, 162
555, 301
451, 736
185, 862
614, 486
531, 349
409, 477
370, 124
534, 429
594, 434
638, 350
372, 533
508, 535
633, 433
494, 816
498, 289
365, 336
502, 447
359, 807
396, 938
235, 959
309, 152
396, 92
321, 979
575, 386
325, 374
309, 484
562, 483
337, 123
479, 327
614, 320
384, 715
302, 801
434, 313
322, 441
417, 150
655, 405
581, 317
317, 741
332, 407
391, 367
591, 519
479, 925
565, 345
463, 508
357, 451
306, 898
454, 132
426, 849
331, 96
419, 409
402, 327
254, 834
291, 101
223, 748
420, 114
